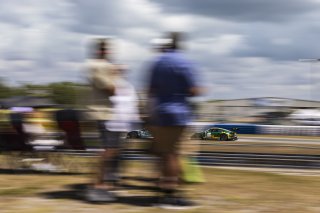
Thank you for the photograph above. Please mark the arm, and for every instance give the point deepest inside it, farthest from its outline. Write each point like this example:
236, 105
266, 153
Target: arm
192, 82
102, 80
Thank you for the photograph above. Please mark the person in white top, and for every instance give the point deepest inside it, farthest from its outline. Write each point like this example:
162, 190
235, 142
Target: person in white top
113, 105
125, 110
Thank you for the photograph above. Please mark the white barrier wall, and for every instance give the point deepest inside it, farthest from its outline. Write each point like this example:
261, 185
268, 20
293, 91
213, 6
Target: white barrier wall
288, 130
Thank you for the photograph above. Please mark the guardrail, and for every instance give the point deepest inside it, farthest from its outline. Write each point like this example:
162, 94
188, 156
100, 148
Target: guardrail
289, 130
208, 158
269, 129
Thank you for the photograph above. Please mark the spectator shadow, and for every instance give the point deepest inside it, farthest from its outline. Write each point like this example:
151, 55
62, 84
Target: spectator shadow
139, 187
134, 200
64, 194
73, 192
144, 180
32, 172
146, 201
77, 192
140, 178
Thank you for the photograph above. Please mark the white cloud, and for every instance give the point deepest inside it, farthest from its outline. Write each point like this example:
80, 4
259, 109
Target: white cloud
220, 45
130, 51
176, 23
240, 54
282, 41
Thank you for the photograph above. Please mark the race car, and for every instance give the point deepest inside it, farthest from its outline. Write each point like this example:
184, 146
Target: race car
141, 133
216, 133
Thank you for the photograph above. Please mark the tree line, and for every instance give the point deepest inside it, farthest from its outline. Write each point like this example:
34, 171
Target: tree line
65, 93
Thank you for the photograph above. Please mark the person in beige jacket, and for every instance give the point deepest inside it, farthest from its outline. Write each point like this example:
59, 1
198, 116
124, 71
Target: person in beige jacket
102, 75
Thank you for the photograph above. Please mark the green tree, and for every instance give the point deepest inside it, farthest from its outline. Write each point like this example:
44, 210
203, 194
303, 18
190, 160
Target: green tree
63, 93
5, 91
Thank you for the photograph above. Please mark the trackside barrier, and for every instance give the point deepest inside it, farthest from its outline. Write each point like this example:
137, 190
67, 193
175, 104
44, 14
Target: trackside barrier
289, 130
268, 129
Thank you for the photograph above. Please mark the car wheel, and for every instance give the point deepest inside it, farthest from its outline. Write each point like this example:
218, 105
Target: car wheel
134, 135
223, 137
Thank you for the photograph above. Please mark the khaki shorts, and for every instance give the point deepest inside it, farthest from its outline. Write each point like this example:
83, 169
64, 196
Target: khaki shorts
166, 138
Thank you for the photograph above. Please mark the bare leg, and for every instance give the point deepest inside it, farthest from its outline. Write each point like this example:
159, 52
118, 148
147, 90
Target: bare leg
170, 171
105, 167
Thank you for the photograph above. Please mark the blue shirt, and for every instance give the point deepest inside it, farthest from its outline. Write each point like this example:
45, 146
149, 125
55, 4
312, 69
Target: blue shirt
172, 77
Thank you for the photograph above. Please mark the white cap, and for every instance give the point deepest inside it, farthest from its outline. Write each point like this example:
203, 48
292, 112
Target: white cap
160, 42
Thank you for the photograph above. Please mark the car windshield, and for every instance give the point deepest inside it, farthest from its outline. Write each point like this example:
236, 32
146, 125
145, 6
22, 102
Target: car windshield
222, 130
146, 132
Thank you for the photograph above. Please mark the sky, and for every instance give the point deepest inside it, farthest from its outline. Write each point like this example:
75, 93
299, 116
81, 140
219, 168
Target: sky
241, 49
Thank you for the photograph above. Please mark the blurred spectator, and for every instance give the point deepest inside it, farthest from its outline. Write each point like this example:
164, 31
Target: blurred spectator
101, 76
112, 104
20, 141
172, 82
68, 121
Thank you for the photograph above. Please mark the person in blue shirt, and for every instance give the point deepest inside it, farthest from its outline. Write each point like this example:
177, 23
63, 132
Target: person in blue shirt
172, 82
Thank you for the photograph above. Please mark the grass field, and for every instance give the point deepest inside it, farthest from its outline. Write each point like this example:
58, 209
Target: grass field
229, 190
225, 190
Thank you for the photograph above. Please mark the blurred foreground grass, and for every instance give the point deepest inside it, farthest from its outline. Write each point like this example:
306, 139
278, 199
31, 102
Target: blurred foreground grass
226, 190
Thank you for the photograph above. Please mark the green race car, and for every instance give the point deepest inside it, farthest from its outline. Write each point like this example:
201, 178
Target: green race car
216, 133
